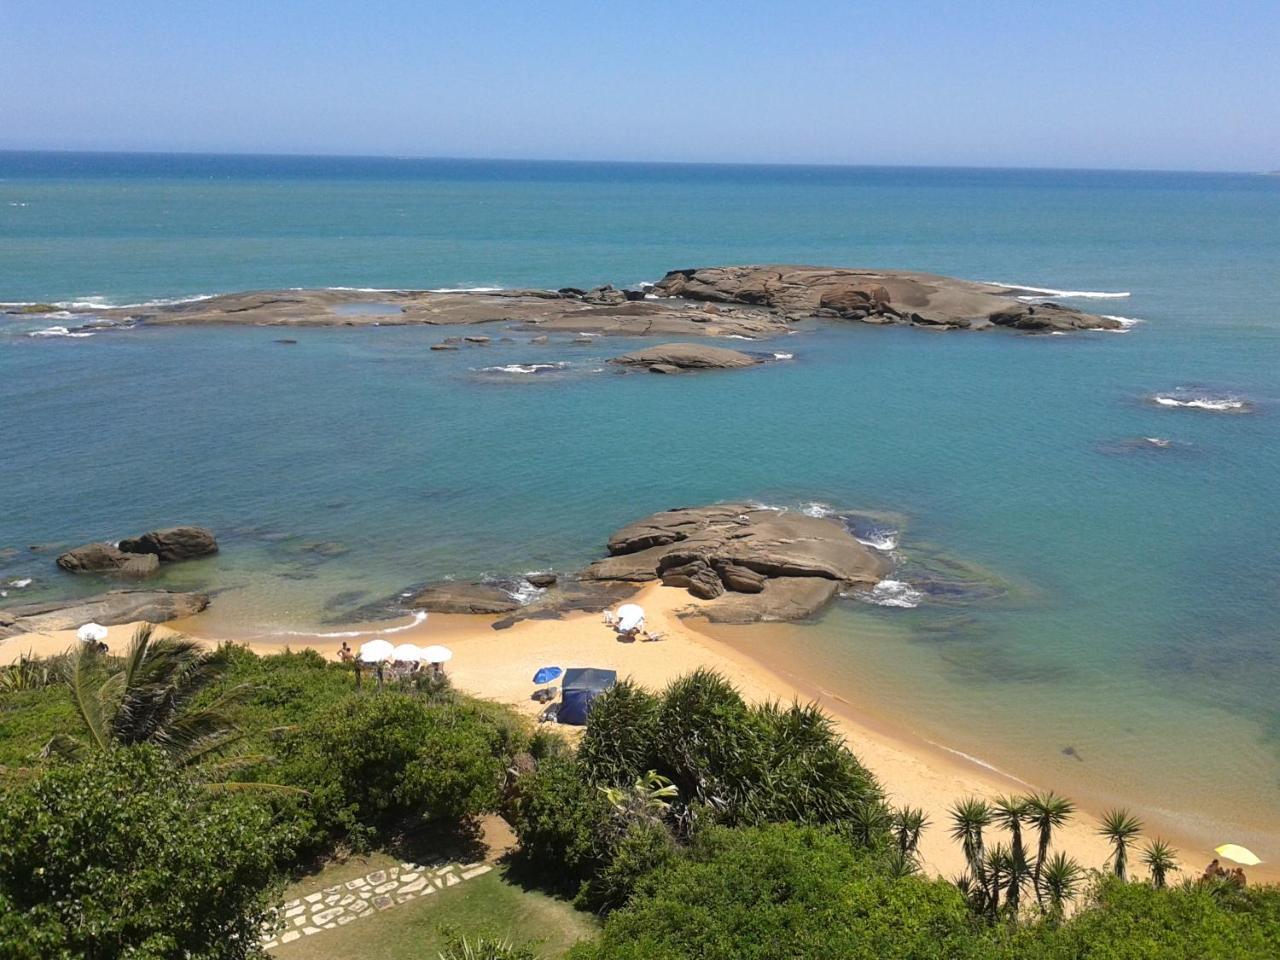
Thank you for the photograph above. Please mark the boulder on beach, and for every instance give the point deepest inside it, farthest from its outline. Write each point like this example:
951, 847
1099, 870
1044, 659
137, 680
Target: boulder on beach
105, 558
116, 606
686, 356
748, 562
541, 579
173, 543
451, 597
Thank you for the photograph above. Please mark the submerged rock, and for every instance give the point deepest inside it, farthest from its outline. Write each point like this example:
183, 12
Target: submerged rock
451, 597
173, 543
105, 558
116, 606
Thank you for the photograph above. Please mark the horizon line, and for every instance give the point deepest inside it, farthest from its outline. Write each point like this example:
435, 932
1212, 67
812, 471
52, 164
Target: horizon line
819, 164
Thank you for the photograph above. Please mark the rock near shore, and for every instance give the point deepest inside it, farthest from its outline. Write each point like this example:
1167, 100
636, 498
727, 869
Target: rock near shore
686, 356
173, 543
105, 558
116, 606
750, 563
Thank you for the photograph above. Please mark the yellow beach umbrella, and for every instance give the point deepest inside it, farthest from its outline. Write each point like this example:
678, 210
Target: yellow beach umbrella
1233, 851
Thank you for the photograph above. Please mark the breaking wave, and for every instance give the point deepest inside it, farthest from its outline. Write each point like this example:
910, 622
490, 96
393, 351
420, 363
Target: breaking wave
1040, 293
1214, 404
418, 618
526, 368
60, 332
892, 593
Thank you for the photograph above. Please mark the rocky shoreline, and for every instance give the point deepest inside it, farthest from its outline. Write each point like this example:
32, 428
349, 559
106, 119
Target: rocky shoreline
740, 301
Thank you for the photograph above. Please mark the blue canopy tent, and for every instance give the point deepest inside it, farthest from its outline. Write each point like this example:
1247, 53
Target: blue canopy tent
579, 690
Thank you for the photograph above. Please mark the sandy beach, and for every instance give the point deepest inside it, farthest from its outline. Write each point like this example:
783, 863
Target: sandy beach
498, 664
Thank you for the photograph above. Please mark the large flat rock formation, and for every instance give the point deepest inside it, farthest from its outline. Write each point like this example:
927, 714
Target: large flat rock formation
877, 296
747, 563
745, 301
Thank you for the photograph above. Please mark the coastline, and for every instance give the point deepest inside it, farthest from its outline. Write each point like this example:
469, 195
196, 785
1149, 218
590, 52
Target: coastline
497, 665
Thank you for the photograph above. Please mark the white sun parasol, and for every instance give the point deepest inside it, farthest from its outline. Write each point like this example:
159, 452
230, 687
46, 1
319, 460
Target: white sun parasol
91, 633
630, 616
407, 652
1233, 851
375, 651
437, 654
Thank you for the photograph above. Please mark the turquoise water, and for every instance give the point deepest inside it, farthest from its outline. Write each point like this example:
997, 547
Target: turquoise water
1137, 625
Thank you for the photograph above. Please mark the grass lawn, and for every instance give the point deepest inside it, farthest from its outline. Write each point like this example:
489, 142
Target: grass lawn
486, 905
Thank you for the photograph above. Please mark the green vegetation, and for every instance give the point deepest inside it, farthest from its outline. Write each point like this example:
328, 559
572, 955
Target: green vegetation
121, 855
698, 825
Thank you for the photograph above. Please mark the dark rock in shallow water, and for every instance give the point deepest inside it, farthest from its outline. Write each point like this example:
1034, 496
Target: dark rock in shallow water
173, 543
541, 579
117, 606
450, 597
444, 346
286, 341
104, 558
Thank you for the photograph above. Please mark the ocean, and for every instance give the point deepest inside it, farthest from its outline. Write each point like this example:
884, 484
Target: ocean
1078, 606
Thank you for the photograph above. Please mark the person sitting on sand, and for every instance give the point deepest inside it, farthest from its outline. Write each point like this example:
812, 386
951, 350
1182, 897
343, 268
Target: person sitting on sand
344, 652
1213, 871
1236, 878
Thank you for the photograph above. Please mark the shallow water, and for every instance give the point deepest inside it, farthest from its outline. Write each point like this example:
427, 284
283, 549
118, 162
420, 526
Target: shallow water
1129, 610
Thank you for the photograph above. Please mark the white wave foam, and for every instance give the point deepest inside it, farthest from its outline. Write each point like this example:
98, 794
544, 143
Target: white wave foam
1215, 404
524, 592
461, 290
524, 367
784, 356
358, 289
815, 508
58, 332
883, 541
19, 584
980, 762
418, 618
892, 593
738, 336
1039, 293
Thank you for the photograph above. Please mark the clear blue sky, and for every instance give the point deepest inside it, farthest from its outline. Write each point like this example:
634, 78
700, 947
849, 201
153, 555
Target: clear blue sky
1093, 83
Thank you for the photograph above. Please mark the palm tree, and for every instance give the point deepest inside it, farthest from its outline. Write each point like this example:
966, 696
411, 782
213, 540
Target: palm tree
1045, 811
969, 818
1009, 812
998, 869
1161, 859
1061, 877
149, 696
908, 822
1121, 828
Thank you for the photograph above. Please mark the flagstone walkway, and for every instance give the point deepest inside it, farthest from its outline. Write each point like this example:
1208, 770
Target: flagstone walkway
364, 896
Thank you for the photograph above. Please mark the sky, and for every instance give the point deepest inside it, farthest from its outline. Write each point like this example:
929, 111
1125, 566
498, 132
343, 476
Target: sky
1091, 83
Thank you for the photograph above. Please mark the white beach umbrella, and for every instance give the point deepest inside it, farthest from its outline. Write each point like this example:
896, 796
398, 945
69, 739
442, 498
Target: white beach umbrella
1233, 851
91, 633
375, 651
408, 652
630, 616
437, 654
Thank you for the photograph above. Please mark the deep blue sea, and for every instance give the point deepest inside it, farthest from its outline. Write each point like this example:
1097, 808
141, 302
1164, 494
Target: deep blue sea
1136, 620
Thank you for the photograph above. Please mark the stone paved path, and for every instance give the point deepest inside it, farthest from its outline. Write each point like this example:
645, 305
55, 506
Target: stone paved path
364, 896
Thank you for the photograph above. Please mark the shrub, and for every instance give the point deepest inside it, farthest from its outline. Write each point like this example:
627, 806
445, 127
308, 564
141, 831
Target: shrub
621, 735
643, 847
786, 891
377, 760
120, 855
1135, 921
558, 815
